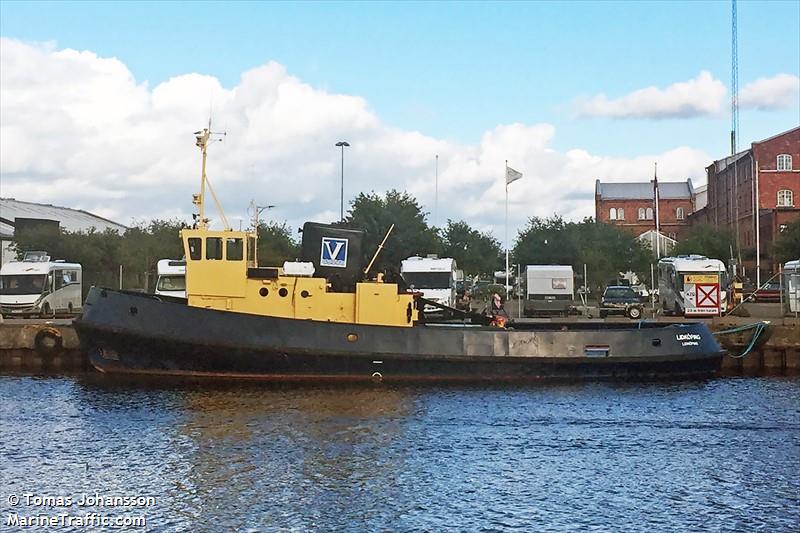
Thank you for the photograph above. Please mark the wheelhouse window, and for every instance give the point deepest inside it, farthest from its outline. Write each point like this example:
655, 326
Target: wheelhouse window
234, 249
784, 162
612, 214
214, 248
785, 198
679, 214
195, 252
251, 249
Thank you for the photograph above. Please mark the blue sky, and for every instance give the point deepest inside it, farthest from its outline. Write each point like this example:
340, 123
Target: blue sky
450, 69
569, 91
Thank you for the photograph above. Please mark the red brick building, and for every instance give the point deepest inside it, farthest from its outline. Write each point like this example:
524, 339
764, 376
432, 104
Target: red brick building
632, 205
768, 173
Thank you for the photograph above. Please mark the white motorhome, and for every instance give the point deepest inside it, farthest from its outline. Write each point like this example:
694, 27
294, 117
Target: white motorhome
435, 278
549, 290
791, 287
37, 286
171, 278
692, 285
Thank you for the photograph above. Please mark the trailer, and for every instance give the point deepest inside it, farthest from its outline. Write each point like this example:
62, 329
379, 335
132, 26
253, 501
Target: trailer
692, 285
549, 290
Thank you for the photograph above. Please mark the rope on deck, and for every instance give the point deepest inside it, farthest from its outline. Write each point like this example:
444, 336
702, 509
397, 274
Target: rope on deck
758, 329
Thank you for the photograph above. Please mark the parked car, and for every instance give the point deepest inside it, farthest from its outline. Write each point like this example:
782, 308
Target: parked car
620, 300
769, 292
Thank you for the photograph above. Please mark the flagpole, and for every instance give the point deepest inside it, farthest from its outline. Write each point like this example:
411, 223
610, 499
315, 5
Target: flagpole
505, 178
658, 225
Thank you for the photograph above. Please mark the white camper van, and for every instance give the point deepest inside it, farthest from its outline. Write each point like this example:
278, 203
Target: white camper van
692, 285
37, 286
435, 278
550, 290
171, 278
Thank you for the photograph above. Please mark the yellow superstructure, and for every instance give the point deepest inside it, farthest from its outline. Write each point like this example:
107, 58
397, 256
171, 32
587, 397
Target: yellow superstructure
222, 273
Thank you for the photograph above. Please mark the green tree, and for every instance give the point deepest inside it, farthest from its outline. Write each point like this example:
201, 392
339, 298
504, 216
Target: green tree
411, 234
787, 246
704, 239
606, 250
143, 245
475, 252
276, 245
101, 253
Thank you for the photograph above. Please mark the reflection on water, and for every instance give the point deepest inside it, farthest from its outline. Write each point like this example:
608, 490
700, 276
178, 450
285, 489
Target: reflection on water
562, 457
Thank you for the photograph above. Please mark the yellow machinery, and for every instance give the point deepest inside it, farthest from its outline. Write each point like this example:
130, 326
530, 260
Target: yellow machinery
222, 273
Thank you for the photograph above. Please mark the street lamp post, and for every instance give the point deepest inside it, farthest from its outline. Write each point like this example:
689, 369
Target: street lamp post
342, 144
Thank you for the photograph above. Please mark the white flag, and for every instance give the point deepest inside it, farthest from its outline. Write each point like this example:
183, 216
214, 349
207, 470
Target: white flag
512, 175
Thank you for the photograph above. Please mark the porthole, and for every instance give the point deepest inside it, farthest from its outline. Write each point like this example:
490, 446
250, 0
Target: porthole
263, 291
352, 337
283, 292
304, 294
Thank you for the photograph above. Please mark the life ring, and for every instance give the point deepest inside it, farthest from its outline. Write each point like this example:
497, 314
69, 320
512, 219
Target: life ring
48, 342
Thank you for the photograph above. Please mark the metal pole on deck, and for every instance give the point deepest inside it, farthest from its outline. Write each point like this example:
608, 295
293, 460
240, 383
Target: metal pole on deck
120, 277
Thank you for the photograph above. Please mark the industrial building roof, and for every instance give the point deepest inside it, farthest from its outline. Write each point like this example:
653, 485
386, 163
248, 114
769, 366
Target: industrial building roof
69, 219
667, 190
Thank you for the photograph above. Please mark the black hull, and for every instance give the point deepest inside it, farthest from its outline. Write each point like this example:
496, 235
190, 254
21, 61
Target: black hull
136, 334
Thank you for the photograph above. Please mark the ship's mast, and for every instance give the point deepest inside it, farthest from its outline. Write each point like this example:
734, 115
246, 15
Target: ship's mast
203, 137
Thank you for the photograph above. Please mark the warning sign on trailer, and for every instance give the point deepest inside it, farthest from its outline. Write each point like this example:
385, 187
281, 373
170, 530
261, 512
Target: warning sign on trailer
702, 294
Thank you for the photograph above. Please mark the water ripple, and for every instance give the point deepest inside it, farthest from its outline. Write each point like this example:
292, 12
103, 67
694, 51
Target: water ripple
719, 455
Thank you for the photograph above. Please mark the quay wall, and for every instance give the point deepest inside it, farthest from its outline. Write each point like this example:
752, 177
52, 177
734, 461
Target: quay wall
40, 346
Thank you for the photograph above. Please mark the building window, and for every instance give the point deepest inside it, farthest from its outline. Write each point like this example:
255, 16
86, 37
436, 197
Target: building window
620, 214
641, 213
785, 198
679, 214
672, 236
784, 162
649, 213
612, 214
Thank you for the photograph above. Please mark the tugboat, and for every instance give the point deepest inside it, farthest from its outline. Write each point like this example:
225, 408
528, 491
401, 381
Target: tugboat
327, 318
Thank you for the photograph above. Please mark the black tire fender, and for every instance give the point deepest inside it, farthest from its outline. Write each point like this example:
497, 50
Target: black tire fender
48, 342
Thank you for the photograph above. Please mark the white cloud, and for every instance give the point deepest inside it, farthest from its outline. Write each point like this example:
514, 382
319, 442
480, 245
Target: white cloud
78, 130
703, 95
779, 92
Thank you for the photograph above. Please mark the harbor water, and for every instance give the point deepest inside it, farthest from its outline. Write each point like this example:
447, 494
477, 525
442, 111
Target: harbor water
716, 455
